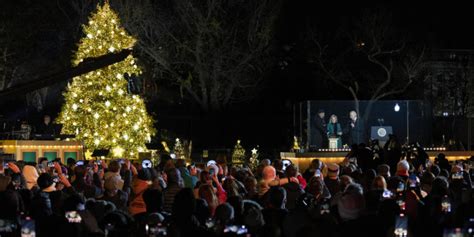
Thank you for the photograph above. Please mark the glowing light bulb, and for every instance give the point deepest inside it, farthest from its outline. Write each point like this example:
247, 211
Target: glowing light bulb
74, 106
96, 115
128, 109
81, 100
74, 123
108, 88
136, 127
107, 103
89, 36
397, 107
119, 76
120, 92
125, 137
96, 141
111, 49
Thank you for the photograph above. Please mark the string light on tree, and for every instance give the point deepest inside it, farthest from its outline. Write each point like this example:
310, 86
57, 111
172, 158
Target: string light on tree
97, 102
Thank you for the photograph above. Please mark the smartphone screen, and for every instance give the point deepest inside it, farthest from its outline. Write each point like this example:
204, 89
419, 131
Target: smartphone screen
73, 217
79, 163
401, 225
28, 227
6, 226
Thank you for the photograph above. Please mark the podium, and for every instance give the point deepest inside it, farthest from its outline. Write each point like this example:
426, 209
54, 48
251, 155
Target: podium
334, 143
380, 133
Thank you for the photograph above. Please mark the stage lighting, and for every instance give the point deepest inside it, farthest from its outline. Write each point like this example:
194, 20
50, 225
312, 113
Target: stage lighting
397, 107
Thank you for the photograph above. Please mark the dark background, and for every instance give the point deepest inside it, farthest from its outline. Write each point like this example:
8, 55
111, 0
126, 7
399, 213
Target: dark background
267, 120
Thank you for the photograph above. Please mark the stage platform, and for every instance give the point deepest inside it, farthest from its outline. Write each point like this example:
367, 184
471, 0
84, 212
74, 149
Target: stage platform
302, 160
31, 150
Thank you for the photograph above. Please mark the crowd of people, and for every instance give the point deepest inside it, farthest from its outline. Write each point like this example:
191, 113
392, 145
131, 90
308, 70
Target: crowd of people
373, 192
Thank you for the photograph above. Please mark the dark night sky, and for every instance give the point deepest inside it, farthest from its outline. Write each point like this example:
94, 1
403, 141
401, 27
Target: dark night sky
437, 25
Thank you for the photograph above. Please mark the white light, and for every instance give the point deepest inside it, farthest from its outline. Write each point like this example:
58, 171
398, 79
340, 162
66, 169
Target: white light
397, 107
108, 88
120, 92
128, 109
107, 103
111, 49
136, 127
96, 141
96, 115
89, 36
119, 76
445, 114
74, 106
125, 137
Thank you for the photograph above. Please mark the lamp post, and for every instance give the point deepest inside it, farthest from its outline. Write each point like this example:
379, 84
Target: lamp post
408, 121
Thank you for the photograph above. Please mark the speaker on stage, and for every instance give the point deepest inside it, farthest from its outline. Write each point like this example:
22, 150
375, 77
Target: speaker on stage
380, 133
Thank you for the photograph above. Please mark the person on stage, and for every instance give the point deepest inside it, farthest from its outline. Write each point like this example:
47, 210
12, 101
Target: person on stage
355, 129
319, 137
334, 130
46, 128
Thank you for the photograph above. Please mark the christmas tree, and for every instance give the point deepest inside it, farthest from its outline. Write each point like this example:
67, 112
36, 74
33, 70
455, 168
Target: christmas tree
98, 108
179, 150
238, 155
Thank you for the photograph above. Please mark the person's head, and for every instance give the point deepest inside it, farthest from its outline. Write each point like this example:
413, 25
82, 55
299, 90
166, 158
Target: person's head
444, 173
333, 170
180, 163
383, 170
80, 171
184, 204
278, 164
269, 173
205, 177
315, 186
206, 192
46, 119
276, 198
192, 170
291, 171
265, 162
435, 170
153, 200
316, 164
112, 184
379, 183
333, 118
144, 174
440, 186
224, 214
114, 166
250, 184
70, 161
321, 113
45, 181
174, 177
353, 115
403, 167
352, 203
345, 181
426, 180
230, 186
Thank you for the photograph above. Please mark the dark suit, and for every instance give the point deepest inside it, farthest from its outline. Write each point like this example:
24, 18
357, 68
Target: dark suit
318, 133
356, 133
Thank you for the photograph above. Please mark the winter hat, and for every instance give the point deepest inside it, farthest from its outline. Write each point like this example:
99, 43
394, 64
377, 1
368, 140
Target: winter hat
333, 170
45, 180
144, 174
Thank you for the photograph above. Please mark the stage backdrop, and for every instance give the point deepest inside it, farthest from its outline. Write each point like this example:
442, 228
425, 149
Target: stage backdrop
410, 118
